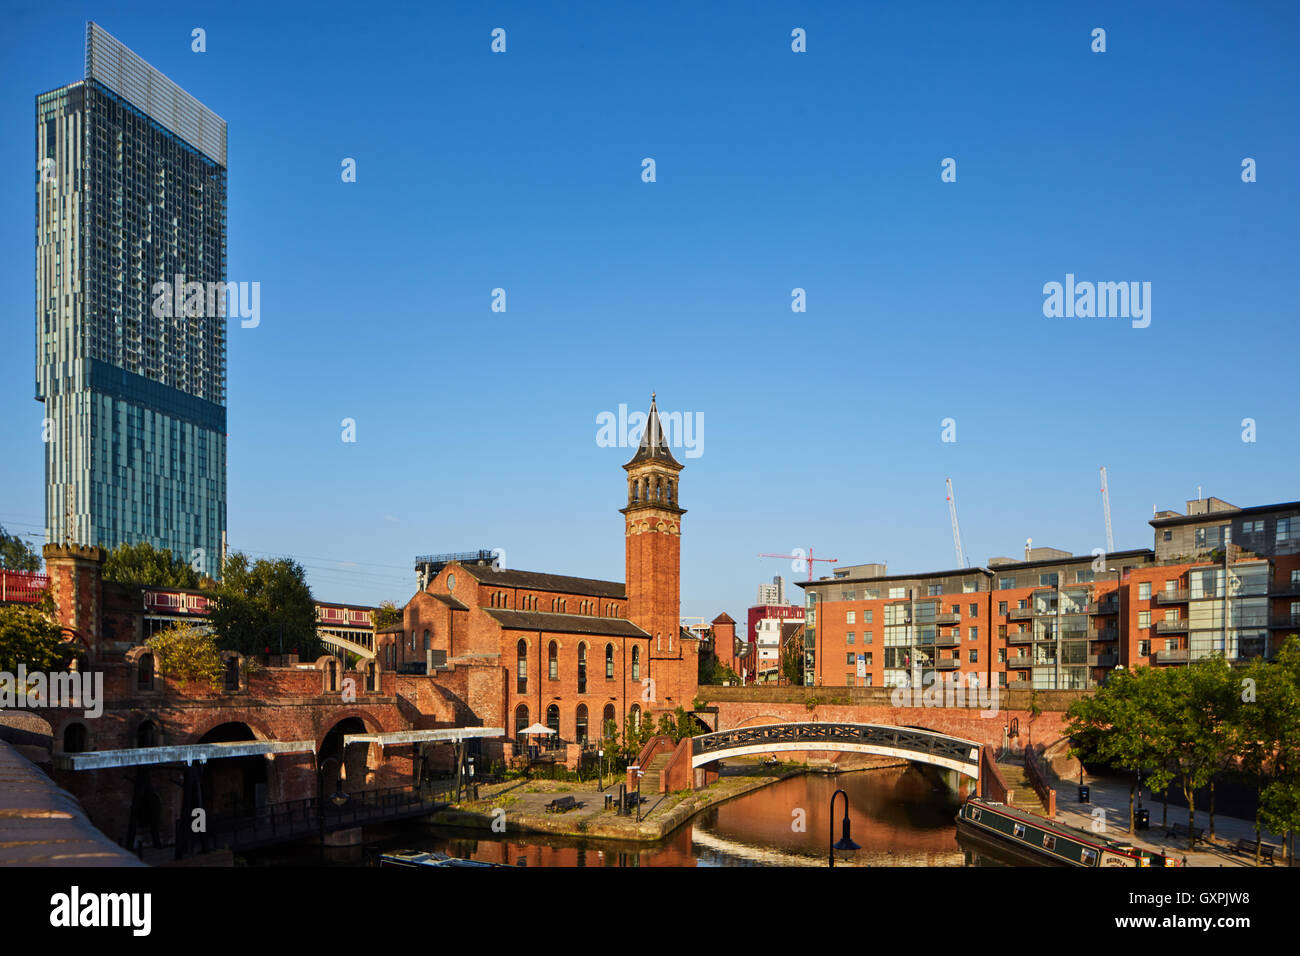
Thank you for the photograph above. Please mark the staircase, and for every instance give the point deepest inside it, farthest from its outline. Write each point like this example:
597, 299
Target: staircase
652, 781
1022, 792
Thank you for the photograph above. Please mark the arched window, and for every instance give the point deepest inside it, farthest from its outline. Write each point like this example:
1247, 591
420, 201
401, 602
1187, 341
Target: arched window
521, 721
606, 720
609, 662
74, 739
671, 491
636, 662
230, 676
580, 726
427, 645
553, 661
634, 717
582, 668
146, 735
145, 672
553, 722
521, 653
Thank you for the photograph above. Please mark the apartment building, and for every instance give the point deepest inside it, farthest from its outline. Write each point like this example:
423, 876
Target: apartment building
1220, 580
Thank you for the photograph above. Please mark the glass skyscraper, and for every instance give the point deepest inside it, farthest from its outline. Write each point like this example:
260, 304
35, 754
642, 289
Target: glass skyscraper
130, 193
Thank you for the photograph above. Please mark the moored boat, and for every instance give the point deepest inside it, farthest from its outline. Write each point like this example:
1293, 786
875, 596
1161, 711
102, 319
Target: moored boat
1037, 841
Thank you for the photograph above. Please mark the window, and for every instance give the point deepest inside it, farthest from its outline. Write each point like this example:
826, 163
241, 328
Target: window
897, 593
866, 616
1144, 618
1144, 648
553, 661
974, 610
974, 656
848, 680
636, 662
580, 724
1002, 655
521, 656
848, 638
866, 637
851, 659
553, 721
1018, 830
74, 739
867, 660
934, 590
850, 617
1022, 604
1006, 583
582, 674
1087, 854
866, 681
609, 662
1169, 536
1171, 643
974, 813
145, 673
1288, 529
954, 609
1002, 607
1144, 591
1295, 579
1252, 527
1051, 579
1049, 842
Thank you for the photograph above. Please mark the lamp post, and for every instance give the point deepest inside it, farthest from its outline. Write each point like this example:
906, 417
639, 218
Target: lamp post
845, 844
600, 768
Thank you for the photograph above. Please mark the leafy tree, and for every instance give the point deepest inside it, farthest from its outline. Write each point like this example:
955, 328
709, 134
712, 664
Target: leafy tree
30, 635
187, 653
1115, 725
259, 604
16, 554
1272, 721
686, 725
792, 662
143, 565
387, 614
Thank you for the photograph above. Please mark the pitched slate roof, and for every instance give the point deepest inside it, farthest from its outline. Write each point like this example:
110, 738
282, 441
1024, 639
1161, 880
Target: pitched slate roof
653, 447
540, 581
564, 623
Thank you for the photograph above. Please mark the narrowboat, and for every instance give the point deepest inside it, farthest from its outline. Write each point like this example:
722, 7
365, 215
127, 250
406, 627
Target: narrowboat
1037, 841
419, 858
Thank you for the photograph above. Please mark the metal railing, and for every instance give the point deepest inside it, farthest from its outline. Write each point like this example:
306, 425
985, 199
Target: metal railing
23, 587
1172, 627
1177, 655
1176, 596
1020, 613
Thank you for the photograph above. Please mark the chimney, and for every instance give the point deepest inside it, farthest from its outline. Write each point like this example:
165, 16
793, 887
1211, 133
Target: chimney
1029, 546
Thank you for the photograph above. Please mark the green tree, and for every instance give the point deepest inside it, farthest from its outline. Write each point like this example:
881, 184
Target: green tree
792, 662
258, 604
1114, 725
16, 554
387, 614
1273, 720
143, 565
29, 635
187, 654
1187, 704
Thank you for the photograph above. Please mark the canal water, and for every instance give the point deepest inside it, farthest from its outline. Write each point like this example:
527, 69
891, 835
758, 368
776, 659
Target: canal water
898, 816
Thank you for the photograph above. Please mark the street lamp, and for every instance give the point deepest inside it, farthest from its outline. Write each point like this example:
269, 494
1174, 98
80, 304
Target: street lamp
600, 768
846, 844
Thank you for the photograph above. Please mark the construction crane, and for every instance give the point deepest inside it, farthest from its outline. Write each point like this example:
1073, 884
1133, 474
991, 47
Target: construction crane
956, 531
799, 557
1105, 505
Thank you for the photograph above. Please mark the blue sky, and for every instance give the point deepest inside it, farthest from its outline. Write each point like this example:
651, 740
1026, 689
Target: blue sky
775, 170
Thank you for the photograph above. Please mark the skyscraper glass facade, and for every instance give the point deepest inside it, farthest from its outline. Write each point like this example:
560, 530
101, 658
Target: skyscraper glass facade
130, 192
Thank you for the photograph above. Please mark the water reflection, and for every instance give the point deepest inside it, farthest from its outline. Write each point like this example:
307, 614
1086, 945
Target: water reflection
899, 818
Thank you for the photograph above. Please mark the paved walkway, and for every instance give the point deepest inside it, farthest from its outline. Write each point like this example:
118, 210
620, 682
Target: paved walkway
1112, 797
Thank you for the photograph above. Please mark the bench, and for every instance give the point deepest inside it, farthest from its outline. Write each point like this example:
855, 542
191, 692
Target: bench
1248, 847
1180, 831
562, 805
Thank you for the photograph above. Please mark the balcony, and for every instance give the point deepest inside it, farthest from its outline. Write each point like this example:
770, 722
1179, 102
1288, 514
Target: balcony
947, 664
1020, 613
1103, 660
1178, 596
1024, 637
947, 640
1285, 589
1284, 620
1179, 656
1105, 634
948, 618
1172, 627
1104, 607
1020, 660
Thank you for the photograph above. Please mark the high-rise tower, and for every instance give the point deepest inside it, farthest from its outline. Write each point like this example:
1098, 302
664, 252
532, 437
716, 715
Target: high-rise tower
130, 193
654, 542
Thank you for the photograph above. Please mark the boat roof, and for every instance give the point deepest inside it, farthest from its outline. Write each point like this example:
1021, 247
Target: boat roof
1043, 823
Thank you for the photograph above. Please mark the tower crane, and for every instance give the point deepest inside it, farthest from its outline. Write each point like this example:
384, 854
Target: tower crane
1105, 505
956, 531
800, 557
